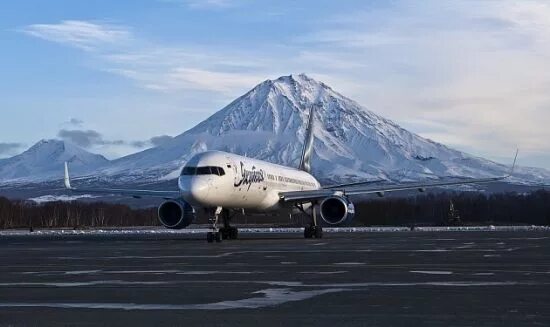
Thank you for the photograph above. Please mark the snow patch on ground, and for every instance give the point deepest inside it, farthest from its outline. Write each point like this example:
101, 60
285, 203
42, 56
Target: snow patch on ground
63, 198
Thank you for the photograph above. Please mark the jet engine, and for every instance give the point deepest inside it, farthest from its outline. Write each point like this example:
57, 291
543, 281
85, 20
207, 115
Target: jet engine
337, 210
176, 214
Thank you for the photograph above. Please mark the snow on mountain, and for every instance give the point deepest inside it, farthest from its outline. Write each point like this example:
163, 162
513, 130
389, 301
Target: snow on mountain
268, 122
351, 142
44, 161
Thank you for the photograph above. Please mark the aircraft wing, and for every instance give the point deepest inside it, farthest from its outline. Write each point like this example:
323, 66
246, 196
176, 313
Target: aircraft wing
306, 196
125, 192
347, 189
335, 186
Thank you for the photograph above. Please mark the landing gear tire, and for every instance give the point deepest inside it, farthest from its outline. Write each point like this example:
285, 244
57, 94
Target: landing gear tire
313, 232
318, 231
213, 236
308, 232
225, 234
233, 233
229, 233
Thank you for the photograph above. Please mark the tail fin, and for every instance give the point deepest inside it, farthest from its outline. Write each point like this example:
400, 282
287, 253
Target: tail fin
307, 152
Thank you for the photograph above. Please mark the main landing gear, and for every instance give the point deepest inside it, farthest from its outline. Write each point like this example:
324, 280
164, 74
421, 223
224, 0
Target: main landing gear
227, 232
314, 230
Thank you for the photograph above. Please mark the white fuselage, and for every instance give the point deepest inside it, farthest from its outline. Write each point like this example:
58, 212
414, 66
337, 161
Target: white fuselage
218, 179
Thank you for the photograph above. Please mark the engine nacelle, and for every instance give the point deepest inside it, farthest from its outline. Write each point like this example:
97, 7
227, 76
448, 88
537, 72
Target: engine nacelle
176, 214
337, 210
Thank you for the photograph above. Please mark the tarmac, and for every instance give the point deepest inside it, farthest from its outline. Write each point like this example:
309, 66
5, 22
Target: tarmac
457, 278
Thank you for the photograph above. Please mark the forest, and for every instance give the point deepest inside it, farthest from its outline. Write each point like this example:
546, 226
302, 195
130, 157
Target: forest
423, 210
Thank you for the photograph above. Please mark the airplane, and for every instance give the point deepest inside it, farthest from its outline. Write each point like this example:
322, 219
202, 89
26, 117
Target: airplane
220, 183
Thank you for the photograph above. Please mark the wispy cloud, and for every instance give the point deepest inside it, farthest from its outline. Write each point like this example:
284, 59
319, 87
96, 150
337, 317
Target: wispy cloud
473, 67
86, 138
91, 138
154, 141
80, 34
152, 66
205, 4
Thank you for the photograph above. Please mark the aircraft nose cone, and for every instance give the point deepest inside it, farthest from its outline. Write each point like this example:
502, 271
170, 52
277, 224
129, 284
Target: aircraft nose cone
193, 190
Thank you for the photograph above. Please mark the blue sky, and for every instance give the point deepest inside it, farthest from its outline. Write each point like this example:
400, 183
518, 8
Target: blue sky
117, 76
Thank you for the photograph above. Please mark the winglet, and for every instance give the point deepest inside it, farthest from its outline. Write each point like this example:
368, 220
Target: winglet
67, 178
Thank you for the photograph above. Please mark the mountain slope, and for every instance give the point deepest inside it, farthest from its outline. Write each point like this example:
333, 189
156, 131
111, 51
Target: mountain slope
44, 161
351, 142
268, 122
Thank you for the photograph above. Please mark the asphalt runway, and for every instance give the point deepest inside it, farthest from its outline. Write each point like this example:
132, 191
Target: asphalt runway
363, 279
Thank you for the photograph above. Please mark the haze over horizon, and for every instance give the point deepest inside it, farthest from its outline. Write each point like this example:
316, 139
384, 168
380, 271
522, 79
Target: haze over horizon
116, 79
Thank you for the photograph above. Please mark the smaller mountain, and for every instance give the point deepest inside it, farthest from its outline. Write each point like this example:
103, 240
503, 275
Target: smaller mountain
44, 161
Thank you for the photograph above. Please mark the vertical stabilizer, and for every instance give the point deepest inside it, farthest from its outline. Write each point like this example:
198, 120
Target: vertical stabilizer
307, 152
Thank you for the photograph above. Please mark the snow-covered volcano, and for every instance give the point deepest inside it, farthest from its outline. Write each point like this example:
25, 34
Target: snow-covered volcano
351, 142
44, 161
268, 123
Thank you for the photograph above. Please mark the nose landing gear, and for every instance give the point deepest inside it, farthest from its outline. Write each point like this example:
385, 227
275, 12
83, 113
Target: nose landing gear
226, 232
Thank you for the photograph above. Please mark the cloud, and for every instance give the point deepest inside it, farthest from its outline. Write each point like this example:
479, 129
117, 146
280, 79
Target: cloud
160, 140
156, 67
82, 138
86, 138
80, 34
90, 138
471, 67
180, 78
76, 122
204, 4
154, 141
9, 148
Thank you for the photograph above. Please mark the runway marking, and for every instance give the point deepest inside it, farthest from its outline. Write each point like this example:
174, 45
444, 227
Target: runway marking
323, 272
484, 274
219, 272
430, 272
172, 271
88, 283
269, 298
350, 263
81, 272
273, 283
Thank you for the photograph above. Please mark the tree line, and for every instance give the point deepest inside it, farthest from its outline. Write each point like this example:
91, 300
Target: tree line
18, 214
472, 208
431, 209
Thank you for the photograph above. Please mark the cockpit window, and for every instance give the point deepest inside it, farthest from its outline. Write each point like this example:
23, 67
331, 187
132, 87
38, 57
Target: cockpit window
206, 170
